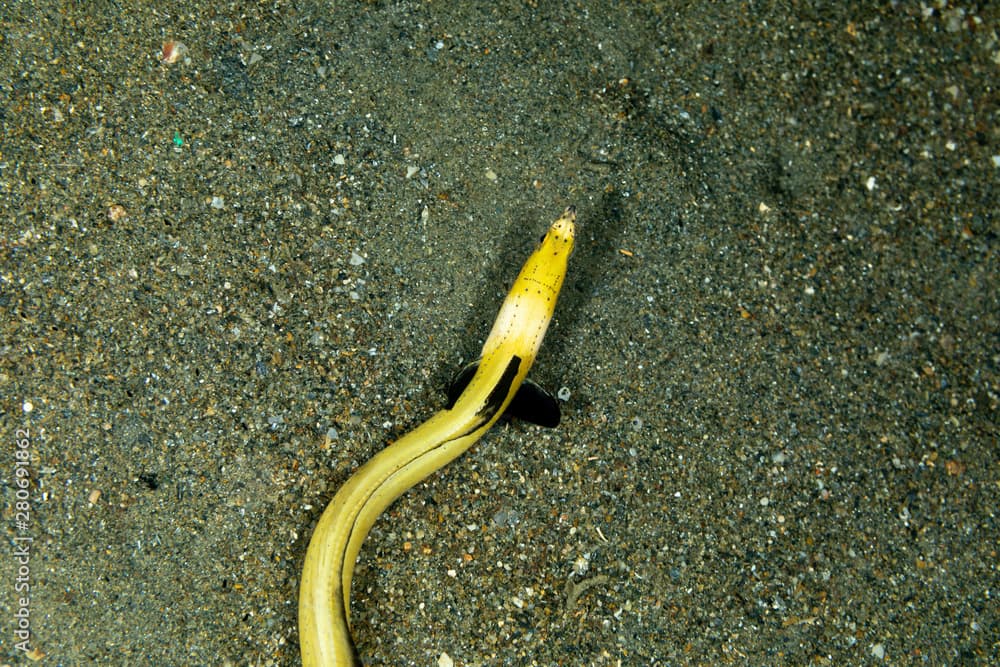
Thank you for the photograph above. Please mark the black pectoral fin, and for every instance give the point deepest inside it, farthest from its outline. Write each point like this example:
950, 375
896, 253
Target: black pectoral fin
533, 404
461, 381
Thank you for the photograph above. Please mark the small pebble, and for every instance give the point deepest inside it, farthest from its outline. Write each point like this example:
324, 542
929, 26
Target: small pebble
116, 212
172, 52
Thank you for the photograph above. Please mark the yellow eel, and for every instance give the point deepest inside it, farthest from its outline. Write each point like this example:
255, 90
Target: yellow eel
324, 592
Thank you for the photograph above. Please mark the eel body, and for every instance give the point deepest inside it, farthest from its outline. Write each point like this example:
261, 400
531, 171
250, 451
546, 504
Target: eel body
488, 388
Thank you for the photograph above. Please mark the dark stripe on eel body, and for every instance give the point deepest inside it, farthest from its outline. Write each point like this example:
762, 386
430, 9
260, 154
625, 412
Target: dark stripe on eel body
495, 400
491, 406
499, 394
338, 595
